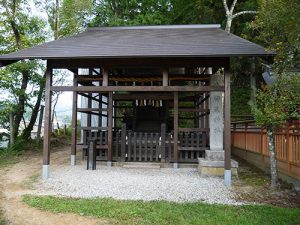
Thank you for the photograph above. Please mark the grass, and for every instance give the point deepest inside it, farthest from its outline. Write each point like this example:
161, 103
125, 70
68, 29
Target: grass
8, 158
161, 212
3, 221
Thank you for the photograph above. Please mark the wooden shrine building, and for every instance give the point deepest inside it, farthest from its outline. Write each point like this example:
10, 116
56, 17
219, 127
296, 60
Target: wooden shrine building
157, 93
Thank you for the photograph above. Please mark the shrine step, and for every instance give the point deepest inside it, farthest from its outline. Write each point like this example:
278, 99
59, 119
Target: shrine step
142, 165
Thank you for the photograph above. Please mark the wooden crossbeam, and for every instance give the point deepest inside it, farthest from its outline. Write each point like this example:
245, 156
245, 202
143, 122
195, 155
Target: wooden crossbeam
188, 109
193, 129
140, 78
91, 110
138, 88
152, 96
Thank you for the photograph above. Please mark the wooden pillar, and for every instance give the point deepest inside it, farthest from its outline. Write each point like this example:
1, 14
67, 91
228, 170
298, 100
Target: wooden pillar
175, 152
165, 78
227, 133
163, 142
90, 105
109, 128
105, 77
74, 123
89, 115
47, 124
100, 112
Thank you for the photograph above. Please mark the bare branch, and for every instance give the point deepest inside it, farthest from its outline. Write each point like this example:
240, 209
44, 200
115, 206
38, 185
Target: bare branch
242, 13
226, 7
233, 6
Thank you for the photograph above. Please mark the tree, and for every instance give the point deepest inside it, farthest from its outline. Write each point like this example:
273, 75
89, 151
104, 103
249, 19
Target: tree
21, 30
274, 106
230, 15
277, 26
131, 12
66, 17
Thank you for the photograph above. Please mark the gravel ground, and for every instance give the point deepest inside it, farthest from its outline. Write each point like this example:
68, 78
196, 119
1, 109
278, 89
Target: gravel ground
175, 185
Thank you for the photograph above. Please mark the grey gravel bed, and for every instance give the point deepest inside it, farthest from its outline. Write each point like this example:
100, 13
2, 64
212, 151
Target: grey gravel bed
176, 185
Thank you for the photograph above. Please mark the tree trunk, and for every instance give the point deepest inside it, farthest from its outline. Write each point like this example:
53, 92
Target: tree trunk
21, 103
273, 163
27, 131
11, 127
228, 24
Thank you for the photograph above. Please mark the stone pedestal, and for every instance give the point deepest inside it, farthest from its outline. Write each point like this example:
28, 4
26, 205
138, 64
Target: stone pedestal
213, 164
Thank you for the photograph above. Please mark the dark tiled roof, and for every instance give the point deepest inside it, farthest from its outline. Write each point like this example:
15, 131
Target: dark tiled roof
144, 41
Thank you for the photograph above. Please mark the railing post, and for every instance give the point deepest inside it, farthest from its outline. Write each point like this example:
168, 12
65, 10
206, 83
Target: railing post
163, 142
287, 147
91, 157
123, 142
246, 130
233, 135
175, 138
261, 140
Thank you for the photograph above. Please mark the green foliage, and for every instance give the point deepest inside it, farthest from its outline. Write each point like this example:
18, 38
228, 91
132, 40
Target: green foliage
132, 12
68, 17
239, 98
161, 212
3, 221
279, 102
277, 27
20, 81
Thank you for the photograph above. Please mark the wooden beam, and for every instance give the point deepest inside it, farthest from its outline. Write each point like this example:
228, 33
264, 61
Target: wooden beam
152, 96
227, 131
175, 121
85, 79
203, 99
193, 110
138, 88
91, 110
141, 62
193, 129
47, 118
93, 128
109, 126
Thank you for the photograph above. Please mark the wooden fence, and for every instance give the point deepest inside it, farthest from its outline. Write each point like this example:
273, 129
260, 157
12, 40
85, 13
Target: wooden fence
133, 146
248, 137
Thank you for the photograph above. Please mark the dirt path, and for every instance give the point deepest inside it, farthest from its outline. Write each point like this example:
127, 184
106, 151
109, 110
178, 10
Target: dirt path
12, 188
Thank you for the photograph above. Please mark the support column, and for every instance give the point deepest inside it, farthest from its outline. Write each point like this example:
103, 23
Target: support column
175, 139
74, 124
47, 125
217, 162
109, 128
227, 131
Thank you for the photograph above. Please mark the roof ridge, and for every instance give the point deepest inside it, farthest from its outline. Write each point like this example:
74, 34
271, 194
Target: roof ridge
150, 27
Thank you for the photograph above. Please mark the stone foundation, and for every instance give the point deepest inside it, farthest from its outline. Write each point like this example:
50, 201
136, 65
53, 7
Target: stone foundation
213, 164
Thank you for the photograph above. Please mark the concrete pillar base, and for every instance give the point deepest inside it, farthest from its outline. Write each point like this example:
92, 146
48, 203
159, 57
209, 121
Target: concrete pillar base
109, 163
73, 160
45, 172
227, 178
175, 165
208, 168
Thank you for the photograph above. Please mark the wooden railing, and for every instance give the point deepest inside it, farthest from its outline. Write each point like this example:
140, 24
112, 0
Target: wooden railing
248, 137
148, 146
